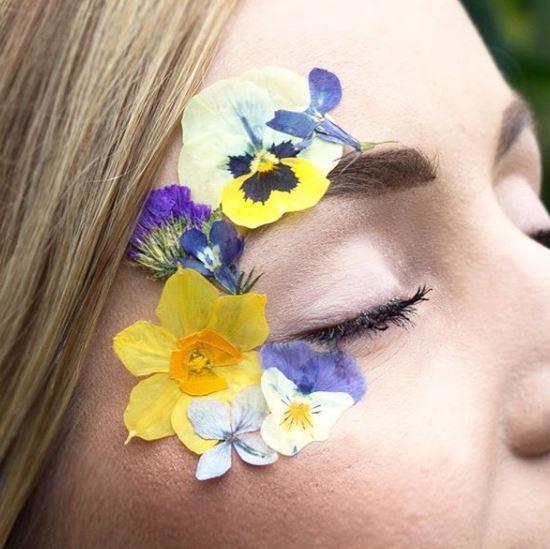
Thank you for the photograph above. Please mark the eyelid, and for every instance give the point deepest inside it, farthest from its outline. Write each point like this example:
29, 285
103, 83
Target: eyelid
522, 160
397, 311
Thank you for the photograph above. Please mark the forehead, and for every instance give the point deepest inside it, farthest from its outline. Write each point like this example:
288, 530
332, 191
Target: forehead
413, 71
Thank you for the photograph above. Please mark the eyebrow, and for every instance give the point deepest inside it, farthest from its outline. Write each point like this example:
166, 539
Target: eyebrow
515, 118
381, 172
389, 171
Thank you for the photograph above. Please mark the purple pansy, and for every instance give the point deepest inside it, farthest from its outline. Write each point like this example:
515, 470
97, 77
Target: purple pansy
314, 371
325, 93
215, 256
167, 213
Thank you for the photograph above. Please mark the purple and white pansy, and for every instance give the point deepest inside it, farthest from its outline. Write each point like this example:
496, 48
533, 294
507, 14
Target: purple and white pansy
306, 392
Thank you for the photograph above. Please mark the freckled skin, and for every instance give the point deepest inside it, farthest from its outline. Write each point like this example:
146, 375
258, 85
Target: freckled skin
450, 447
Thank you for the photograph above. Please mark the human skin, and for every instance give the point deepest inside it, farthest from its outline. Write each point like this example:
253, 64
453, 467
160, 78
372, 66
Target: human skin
451, 445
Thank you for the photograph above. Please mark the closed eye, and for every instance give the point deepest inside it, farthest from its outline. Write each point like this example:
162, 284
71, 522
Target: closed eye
395, 312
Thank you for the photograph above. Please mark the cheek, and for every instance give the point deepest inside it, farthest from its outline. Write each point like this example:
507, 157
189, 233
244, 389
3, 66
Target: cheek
394, 469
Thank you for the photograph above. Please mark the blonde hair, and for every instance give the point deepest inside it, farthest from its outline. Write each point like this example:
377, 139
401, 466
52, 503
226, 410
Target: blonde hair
90, 95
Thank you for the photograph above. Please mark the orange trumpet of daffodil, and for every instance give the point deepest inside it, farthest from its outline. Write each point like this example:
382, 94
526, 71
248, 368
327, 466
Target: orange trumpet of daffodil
204, 345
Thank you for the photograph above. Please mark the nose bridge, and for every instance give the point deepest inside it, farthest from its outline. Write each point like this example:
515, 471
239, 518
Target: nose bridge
514, 303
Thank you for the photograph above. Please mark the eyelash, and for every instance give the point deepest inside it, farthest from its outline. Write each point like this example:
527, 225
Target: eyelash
396, 312
542, 237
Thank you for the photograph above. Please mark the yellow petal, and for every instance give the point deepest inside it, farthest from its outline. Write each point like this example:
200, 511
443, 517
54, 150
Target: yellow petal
185, 303
240, 319
311, 187
149, 411
203, 383
144, 348
239, 376
183, 428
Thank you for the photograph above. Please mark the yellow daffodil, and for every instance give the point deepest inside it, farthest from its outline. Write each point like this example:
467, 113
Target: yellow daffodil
204, 345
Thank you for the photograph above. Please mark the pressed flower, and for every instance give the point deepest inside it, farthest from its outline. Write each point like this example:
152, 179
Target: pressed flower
313, 370
230, 155
325, 93
306, 392
238, 429
204, 345
155, 242
216, 256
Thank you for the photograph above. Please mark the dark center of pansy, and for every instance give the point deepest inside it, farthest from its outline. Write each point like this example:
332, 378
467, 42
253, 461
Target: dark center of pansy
267, 173
259, 186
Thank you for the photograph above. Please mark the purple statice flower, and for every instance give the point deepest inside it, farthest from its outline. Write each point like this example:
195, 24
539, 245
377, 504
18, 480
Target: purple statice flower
314, 371
325, 93
166, 215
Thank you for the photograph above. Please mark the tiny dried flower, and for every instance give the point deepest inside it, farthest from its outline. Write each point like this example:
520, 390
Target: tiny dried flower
239, 430
155, 242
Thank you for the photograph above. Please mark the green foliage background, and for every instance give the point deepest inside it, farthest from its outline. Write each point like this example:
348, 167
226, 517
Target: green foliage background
517, 32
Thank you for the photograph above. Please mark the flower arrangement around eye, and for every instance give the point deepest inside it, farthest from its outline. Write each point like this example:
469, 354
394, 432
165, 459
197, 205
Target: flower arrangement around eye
254, 148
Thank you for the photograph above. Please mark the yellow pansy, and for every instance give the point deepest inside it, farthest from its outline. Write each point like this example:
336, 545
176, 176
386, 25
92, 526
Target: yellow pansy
271, 186
233, 158
205, 344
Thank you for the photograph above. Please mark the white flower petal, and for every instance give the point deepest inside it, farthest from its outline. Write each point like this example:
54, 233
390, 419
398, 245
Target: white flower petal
252, 449
322, 154
203, 165
327, 407
278, 390
287, 89
214, 462
248, 411
281, 439
287, 433
210, 418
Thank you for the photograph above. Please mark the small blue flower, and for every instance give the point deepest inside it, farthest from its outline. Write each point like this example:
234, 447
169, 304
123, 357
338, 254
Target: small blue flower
325, 93
211, 420
215, 256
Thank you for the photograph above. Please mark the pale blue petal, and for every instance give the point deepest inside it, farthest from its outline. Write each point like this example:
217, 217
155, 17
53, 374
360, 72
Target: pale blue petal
253, 450
210, 418
249, 410
214, 462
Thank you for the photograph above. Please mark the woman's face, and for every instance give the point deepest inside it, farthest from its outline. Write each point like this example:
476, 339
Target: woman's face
451, 445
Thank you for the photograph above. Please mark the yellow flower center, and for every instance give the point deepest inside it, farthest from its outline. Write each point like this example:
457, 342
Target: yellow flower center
194, 362
263, 162
298, 414
198, 361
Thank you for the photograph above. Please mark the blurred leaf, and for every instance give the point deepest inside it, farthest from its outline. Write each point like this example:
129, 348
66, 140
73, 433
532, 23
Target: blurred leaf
516, 33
